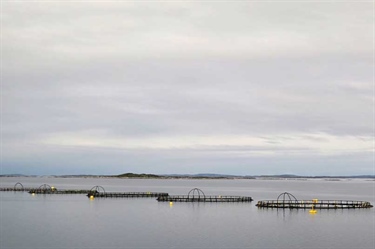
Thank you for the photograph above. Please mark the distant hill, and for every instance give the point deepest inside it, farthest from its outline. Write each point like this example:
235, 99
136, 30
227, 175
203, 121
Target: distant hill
133, 175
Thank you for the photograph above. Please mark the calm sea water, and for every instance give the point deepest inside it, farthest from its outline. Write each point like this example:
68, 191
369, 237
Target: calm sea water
74, 221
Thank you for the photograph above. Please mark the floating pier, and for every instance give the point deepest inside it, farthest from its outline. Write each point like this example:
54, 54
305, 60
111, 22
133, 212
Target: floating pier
99, 192
95, 192
47, 189
287, 200
197, 195
43, 189
18, 187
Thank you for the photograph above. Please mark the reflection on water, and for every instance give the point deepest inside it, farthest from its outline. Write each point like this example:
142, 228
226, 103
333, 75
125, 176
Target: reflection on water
74, 221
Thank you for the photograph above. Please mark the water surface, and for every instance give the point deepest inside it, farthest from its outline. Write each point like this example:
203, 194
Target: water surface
74, 221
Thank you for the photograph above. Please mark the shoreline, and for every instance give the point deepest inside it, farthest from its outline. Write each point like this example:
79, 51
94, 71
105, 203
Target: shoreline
192, 177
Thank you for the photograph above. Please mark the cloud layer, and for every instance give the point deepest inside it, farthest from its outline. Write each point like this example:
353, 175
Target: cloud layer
187, 87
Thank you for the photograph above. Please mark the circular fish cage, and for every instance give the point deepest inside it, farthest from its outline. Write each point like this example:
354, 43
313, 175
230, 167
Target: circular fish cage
287, 200
197, 195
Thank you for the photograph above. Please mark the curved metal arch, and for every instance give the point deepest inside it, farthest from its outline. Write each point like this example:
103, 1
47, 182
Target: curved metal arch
45, 187
97, 189
196, 192
18, 184
286, 195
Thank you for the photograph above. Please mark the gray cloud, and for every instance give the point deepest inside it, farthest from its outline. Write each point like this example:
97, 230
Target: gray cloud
128, 73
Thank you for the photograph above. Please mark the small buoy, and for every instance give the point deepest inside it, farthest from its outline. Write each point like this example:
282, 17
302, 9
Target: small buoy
91, 197
312, 210
171, 203
32, 193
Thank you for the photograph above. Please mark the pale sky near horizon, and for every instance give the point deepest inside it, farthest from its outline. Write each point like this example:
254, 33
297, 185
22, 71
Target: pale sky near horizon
230, 87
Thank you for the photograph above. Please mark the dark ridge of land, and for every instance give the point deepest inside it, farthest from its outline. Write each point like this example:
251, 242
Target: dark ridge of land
198, 176
173, 176
134, 175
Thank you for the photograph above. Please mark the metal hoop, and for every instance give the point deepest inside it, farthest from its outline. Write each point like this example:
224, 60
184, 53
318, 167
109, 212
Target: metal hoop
45, 187
97, 189
196, 192
18, 184
288, 195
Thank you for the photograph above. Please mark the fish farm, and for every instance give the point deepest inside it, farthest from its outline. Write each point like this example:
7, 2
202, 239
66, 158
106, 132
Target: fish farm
43, 189
96, 191
287, 200
197, 195
284, 200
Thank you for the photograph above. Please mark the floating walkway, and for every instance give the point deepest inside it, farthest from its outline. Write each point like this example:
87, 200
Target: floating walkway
43, 189
99, 192
126, 195
95, 192
287, 200
197, 195
47, 189
18, 187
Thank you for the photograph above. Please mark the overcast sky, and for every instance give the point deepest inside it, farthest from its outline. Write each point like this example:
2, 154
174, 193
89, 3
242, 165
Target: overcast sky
231, 87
